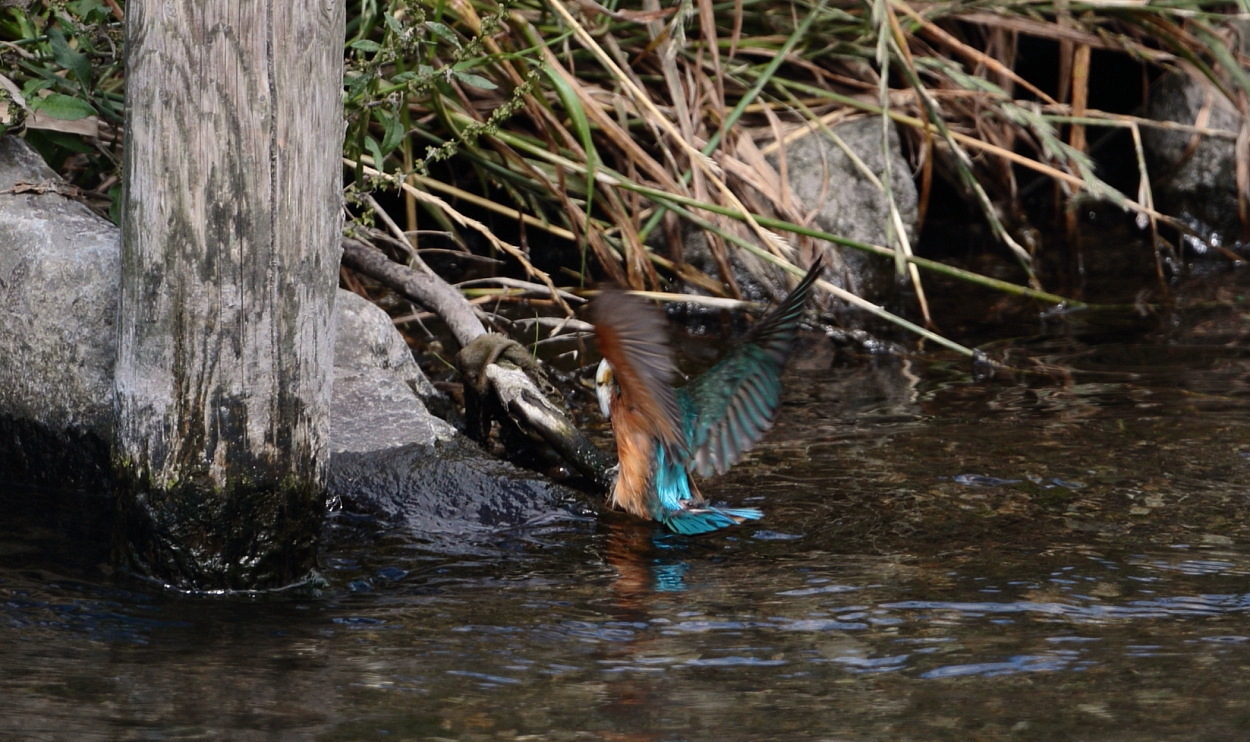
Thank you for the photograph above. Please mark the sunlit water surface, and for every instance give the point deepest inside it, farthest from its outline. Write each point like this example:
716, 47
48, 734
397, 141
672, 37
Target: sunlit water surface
1058, 556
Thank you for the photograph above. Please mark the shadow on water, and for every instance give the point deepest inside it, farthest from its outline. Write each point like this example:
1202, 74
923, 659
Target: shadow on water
1062, 555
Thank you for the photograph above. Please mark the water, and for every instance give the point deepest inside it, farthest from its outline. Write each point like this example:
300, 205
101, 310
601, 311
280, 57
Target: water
1062, 555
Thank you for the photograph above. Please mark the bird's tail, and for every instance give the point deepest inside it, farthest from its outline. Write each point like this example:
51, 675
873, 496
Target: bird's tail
704, 518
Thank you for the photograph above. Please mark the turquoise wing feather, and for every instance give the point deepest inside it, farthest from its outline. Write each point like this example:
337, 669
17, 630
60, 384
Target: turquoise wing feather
678, 505
727, 409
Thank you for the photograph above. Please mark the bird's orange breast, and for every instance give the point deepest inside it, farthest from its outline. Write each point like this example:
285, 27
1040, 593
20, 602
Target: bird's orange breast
635, 447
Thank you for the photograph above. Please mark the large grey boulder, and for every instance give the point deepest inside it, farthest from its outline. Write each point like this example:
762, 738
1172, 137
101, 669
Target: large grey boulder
392, 459
838, 192
58, 297
830, 179
1196, 176
380, 393
59, 272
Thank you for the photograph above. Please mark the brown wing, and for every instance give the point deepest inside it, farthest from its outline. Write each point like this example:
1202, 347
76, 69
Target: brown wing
633, 336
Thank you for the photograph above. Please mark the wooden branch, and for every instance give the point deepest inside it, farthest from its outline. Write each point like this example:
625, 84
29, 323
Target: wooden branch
500, 377
426, 289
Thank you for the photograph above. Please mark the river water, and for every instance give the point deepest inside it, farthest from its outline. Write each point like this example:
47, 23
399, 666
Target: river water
1060, 553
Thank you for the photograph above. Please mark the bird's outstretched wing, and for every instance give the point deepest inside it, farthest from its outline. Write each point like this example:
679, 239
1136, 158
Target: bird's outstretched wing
727, 409
633, 336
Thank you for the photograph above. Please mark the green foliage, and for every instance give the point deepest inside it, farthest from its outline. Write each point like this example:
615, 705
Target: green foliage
403, 56
61, 81
602, 126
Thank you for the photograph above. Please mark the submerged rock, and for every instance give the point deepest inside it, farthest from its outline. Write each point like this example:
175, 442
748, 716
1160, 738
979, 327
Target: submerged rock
444, 494
59, 272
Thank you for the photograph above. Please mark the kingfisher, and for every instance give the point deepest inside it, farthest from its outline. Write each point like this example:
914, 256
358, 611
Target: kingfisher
664, 434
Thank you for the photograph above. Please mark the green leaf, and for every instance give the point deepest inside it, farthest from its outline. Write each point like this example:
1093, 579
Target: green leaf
356, 85
55, 146
367, 46
64, 107
89, 11
393, 24
34, 85
115, 204
74, 61
477, 81
393, 131
375, 152
443, 31
580, 124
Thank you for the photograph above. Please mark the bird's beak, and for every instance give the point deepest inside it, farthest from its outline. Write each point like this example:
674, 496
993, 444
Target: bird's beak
605, 383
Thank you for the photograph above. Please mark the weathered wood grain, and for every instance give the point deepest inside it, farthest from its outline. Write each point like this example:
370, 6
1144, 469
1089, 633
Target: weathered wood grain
231, 228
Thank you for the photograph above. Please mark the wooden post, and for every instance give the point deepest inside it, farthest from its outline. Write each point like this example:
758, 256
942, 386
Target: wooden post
230, 245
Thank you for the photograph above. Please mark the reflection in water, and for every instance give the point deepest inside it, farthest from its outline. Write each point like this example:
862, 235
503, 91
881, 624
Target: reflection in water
490, 650
646, 560
1045, 558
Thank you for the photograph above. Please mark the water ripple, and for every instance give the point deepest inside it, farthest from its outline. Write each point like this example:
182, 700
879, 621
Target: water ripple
1010, 666
493, 679
818, 590
733, 661
1190, 605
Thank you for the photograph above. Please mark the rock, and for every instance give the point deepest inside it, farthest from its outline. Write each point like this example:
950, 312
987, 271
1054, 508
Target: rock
827, 184
394, 461
846, 202
378, 401
59, 267
1195, 177
366, 339
59, 272
446, 495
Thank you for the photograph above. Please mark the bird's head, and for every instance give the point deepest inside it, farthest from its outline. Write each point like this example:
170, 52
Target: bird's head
605, 388
634, 383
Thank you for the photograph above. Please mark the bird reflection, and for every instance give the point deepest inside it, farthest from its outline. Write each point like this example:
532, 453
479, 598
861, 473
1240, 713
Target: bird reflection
646, 561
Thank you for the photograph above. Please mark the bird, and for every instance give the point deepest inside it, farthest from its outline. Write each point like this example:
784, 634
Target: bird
664, 434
